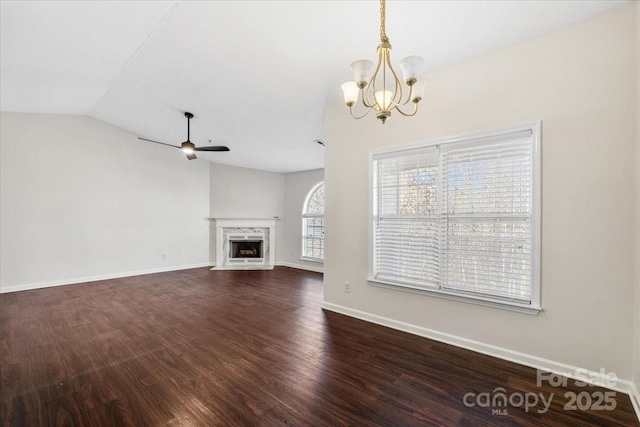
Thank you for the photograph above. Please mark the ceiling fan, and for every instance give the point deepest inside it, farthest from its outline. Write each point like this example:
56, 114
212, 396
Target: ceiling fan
187, 146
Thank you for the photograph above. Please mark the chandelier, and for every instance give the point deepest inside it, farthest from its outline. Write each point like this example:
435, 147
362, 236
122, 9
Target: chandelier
383, 91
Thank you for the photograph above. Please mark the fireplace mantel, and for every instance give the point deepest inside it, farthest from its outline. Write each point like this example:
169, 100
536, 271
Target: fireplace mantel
228, 228
245, 222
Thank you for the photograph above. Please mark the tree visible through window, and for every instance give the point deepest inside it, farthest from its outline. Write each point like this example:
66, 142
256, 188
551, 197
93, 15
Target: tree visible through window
313, 224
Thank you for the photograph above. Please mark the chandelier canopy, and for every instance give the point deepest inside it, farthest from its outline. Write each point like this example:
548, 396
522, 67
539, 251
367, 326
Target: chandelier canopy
383, 91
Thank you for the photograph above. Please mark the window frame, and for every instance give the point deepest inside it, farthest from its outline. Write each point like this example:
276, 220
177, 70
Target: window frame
534, 307
305, 215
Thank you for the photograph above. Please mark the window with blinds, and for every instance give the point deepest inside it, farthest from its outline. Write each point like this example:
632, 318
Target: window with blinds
313, 224
406, 227
460, 217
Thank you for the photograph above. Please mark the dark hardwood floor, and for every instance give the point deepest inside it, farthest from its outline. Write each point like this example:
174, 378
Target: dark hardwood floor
209, 348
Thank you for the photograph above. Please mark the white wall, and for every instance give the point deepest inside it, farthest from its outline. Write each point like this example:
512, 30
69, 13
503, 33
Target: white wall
81, 199
580, 82
296, 187
246, 193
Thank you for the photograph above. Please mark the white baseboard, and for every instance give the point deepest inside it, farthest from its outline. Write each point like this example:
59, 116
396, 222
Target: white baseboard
622, 385
40, 285
635, 399
301, 266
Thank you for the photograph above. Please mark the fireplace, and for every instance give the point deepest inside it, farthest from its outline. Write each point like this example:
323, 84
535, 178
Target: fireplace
246, 248
245, 243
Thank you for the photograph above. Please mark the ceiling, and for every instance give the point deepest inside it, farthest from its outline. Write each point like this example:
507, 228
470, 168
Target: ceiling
257, 75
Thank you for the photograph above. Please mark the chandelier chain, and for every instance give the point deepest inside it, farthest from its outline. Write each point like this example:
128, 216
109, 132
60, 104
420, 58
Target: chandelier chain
383, 33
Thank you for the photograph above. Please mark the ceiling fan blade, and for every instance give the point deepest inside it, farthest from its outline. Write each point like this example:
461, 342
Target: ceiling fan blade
158, 142
191, 156
213, 148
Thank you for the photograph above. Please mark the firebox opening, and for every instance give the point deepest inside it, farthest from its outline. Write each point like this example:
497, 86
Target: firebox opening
246, 249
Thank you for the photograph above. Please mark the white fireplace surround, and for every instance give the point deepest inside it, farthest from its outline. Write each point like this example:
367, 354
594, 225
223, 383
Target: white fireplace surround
233, 229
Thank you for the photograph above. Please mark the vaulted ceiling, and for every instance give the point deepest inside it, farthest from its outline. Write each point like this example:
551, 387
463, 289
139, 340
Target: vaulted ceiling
256, 74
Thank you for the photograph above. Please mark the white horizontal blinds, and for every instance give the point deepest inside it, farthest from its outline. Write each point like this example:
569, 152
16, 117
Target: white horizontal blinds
406, 222
486, 217
313, 237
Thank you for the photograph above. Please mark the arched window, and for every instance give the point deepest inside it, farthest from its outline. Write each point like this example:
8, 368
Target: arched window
313, 224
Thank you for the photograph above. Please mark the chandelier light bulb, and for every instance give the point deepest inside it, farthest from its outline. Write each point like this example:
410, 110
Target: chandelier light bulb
418, 89
383, 100
410, 67
350, 92
361, 71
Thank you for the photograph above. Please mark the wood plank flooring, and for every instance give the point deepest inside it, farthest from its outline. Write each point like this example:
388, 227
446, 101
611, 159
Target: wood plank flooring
239, 348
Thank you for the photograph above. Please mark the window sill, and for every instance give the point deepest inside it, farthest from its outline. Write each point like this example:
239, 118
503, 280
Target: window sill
316, 260
503, 305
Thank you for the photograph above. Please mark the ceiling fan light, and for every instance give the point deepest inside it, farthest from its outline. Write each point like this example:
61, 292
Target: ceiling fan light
188, 147
411, 67
361, 71
350, 92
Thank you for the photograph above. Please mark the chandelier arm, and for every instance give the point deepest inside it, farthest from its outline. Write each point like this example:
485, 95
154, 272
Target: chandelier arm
415, 110
362, 116
371, 87
366, 94
401, 104
383, 60
409, 98
366, 104
410, 95
397, 94
365, 98
397, 100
